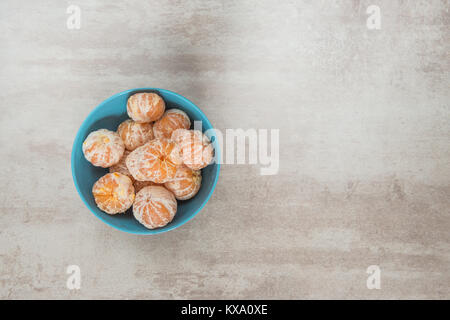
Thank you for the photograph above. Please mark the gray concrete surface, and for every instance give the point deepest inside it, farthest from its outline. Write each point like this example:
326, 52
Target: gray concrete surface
364, 147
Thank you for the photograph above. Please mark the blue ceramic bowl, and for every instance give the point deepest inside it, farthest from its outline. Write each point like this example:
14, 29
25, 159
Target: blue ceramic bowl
108, 115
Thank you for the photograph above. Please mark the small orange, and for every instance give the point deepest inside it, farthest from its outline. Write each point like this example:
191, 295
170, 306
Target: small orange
135, 134
145, 107
186, 183
103, 148
171, 120
113, 193
154, 207
197, 151
121, 167
155, 161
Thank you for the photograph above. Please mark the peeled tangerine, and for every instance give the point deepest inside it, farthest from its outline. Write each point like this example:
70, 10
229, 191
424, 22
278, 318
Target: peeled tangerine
155, 161
113, 193
154, 207
186, 183
135, 134
171, 120
196, 149
103, 148
121, 167
145, 107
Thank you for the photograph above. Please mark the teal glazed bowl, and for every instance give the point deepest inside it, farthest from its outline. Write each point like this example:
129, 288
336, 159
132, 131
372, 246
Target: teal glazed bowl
108, 115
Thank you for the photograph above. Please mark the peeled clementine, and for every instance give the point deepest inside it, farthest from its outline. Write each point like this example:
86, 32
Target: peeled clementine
103, 148
135, 134
185, 184
113, 193
196, 149
155, 161
154, 207
121, 167
171, 120
145, 107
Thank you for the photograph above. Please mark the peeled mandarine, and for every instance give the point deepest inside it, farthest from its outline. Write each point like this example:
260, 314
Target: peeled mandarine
135, 134
121, 167
145, 107
103, 148
171, 120
185, 184
113, 193
196, 149
154, 207
155, 161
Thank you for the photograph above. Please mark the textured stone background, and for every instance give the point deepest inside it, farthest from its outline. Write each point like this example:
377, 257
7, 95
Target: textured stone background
365, 155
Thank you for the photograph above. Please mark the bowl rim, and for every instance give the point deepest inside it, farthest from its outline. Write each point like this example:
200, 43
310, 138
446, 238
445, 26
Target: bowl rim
83, 127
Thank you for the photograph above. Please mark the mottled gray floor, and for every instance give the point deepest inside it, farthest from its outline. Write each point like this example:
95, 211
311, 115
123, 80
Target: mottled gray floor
364, 155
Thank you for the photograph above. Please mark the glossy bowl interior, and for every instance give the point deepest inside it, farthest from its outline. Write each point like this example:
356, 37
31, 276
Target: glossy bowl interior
108, 115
